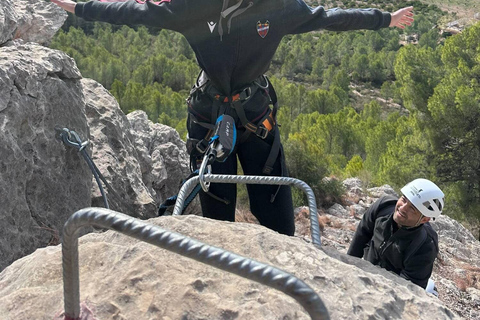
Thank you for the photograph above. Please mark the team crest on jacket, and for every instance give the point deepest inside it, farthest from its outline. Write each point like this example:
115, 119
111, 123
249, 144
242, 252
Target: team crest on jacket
262, 28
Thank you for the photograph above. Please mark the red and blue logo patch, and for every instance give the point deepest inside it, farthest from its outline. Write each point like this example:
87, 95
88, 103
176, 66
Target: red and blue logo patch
262, 28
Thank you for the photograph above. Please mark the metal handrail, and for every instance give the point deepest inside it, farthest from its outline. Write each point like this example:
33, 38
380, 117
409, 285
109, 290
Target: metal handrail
217, 257
220, 178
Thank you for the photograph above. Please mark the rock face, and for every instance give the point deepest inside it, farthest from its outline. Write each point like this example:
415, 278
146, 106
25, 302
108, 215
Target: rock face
41, 181
122, 278
162, 156
456, 272
29, 20
142, 162
44, 181
115, 155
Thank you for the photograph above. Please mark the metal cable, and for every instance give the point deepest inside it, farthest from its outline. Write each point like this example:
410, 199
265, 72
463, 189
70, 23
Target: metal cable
220, 178
72, 139
217, 257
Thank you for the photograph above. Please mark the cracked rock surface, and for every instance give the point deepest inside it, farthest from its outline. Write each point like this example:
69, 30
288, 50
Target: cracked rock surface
41, 182
29, 20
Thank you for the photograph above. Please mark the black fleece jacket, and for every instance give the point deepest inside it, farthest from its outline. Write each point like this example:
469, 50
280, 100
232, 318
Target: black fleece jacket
380, 242
236, 48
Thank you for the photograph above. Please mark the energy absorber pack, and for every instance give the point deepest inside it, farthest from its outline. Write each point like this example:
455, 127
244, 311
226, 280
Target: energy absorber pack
224, 137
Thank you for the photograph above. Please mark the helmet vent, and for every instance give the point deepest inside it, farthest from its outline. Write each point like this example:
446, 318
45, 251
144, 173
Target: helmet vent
428, 206
438, 203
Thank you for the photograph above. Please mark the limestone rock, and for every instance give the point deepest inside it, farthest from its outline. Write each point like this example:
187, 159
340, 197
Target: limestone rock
451, 229
115, 155
122, 278
142, 162
384, 190
29, 20
351, 183
41, 181
162, 156
338, 211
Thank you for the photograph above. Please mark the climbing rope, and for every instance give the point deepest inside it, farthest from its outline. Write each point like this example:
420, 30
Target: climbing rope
72, 139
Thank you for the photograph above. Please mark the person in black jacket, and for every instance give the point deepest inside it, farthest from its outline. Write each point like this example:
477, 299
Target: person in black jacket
234, 43
395, 233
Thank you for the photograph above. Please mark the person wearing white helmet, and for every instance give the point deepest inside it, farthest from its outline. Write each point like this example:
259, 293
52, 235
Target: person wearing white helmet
396, 235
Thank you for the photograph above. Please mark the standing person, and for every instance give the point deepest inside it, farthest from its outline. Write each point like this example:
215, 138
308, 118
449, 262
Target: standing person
234, 42
395, 233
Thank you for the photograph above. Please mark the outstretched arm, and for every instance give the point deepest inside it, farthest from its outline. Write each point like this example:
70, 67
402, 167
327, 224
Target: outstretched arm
164, 14
401, 18
67, 5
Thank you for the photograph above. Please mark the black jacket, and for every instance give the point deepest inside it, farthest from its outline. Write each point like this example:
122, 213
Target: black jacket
408, 252
236, 49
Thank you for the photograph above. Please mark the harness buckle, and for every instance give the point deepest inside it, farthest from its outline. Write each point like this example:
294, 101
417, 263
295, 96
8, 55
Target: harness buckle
201, 146
248, 92
262, 132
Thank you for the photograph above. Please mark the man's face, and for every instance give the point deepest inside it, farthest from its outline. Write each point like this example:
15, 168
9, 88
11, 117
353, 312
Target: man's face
406, 215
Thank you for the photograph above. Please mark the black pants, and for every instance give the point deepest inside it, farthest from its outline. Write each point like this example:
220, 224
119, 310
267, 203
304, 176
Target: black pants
253, 153
276, 215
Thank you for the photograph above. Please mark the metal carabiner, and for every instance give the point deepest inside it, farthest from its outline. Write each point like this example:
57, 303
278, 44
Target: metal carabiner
205, 166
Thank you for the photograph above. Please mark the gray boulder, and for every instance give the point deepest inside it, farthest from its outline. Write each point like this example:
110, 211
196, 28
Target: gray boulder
115, 155
142, 162
29, 20
41, 181
162, 156
123, 278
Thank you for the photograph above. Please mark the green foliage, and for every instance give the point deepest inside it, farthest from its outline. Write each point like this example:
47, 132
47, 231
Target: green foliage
354, 166
418, 70
455, 111
143, 70
304, 165
449, 146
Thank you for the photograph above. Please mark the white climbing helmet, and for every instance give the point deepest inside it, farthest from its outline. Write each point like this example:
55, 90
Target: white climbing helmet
426, 196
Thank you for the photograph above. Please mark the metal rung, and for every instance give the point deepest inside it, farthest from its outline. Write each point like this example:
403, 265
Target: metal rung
216, 257
220, 178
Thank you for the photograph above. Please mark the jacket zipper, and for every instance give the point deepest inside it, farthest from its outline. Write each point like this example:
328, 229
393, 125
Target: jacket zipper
385, 244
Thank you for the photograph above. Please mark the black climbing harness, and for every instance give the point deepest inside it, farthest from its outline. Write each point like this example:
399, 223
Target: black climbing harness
224, 110
261, 125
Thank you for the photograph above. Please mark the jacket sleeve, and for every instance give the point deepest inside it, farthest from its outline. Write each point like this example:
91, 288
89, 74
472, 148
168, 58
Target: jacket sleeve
167, 14
364, 232
301, 18
419, 266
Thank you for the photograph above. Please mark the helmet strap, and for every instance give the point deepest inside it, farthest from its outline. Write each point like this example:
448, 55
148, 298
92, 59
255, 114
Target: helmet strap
419, 219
